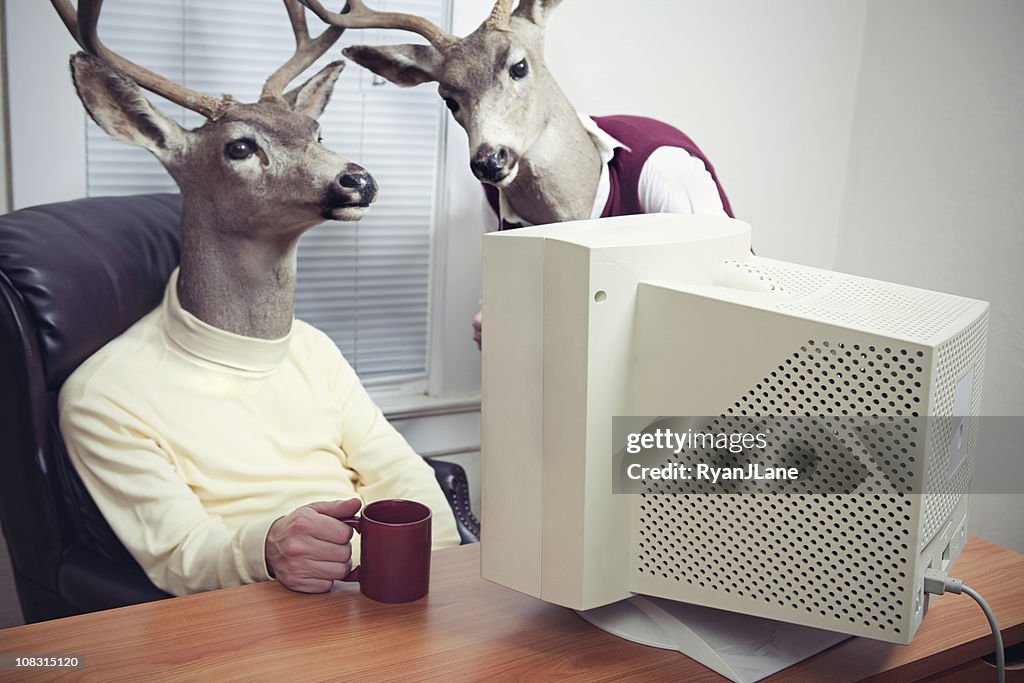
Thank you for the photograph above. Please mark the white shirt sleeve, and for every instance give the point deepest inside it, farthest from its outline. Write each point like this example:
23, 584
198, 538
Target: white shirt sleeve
672, 181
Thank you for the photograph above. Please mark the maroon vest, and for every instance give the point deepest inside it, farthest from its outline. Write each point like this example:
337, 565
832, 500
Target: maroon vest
641, 136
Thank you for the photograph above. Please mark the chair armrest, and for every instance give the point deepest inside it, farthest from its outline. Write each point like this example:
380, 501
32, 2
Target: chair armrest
455, 486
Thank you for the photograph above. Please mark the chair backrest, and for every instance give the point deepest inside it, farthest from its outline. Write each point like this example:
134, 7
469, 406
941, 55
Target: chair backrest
73, 276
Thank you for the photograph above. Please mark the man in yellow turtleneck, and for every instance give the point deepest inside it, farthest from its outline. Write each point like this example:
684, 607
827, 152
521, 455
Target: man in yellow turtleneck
206, 450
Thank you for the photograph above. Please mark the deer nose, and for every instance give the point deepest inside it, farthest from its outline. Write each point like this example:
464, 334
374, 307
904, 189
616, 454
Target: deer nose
361, 183
491, 164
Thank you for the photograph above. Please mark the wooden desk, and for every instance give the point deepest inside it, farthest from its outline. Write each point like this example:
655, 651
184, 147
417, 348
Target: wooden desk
467, 629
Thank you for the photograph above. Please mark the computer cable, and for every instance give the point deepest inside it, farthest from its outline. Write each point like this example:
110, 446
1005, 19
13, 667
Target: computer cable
937, 583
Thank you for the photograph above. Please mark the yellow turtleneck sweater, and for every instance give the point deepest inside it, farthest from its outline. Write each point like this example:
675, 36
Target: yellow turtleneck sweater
193, 440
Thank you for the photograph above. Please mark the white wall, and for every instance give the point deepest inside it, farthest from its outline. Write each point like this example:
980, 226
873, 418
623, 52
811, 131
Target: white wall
934, 196
764, 88
49, 162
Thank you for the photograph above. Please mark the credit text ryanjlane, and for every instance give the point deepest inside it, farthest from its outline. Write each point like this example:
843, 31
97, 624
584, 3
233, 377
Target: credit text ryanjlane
705, 472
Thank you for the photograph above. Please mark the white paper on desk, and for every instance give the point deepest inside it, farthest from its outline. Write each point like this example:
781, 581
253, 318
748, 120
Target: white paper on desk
741, 647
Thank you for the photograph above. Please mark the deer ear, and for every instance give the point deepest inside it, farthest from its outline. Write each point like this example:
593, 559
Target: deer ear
536, 11
116, 104
404, 65
312, 97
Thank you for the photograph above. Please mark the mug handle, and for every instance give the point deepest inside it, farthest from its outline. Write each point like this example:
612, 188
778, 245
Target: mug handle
355, 523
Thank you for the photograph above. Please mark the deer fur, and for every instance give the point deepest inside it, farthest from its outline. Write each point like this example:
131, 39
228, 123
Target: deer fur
241, 219
549, 163
253, 178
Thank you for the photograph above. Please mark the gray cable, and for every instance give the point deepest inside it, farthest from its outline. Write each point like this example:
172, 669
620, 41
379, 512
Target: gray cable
936, 582
996, 634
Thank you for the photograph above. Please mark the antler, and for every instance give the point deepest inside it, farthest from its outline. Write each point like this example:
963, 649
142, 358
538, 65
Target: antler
501, 14
357, 15
81, 23
307, 51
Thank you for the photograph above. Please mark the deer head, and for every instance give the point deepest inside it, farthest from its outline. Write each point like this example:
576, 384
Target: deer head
496, 85
253, 177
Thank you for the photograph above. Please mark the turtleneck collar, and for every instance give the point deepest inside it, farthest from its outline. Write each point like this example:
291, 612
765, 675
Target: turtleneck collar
214, 345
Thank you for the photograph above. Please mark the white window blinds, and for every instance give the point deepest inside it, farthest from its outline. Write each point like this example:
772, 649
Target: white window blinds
365, 284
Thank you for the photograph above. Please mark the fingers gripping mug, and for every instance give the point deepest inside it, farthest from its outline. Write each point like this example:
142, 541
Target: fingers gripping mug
395, 549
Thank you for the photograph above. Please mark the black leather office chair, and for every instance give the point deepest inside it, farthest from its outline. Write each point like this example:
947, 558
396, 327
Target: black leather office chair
73, 276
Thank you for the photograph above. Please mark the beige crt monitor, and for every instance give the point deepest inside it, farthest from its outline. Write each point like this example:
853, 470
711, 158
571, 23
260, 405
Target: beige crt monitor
669, 315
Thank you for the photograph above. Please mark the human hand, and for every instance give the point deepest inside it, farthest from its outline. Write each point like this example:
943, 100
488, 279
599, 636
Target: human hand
309, 549
478, 330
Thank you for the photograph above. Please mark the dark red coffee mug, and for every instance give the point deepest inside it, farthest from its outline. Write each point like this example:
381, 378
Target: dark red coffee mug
395, 550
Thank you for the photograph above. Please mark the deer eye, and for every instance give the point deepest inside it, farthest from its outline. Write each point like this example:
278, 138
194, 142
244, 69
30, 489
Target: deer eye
518, 70
451, 104
240, 149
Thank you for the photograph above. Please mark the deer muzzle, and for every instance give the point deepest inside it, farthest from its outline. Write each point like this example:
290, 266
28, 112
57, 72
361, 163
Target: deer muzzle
351, 194
493, 164
355, 187
359, 184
